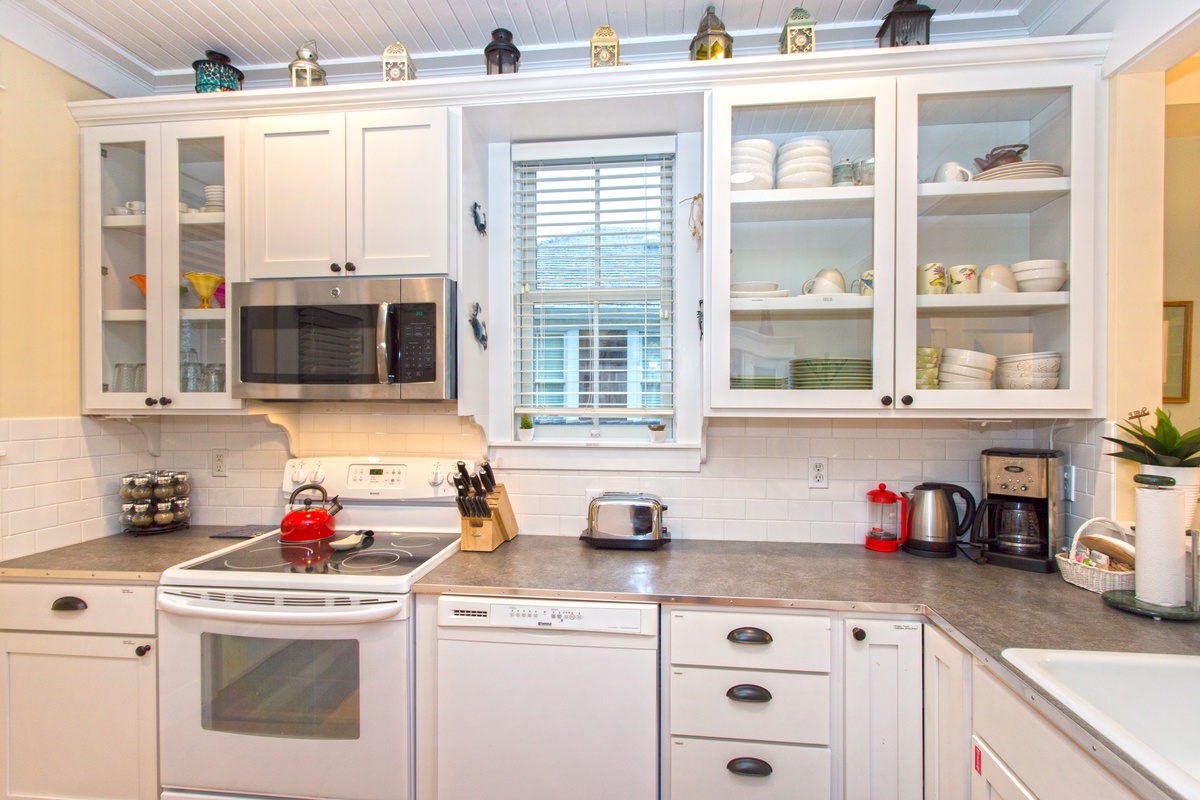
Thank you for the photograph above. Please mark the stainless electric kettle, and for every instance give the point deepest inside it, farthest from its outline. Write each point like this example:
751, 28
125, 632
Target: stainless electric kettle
934, 524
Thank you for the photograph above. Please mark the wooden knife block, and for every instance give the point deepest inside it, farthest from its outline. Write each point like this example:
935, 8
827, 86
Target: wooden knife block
485, 535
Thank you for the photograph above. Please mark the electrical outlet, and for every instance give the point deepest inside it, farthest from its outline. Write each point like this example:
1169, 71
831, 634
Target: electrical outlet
1069, 483
818, 473
220, 463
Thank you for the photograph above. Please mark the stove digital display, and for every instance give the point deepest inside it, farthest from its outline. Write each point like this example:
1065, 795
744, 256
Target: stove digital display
375, 471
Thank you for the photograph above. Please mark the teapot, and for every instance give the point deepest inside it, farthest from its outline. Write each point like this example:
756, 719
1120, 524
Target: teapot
304, 523
1001, 155
934, 525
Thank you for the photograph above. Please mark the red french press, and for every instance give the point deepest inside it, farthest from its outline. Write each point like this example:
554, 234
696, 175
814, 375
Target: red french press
886, 513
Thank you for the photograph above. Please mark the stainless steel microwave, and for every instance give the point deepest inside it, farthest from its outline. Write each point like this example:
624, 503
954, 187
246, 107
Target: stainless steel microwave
344, 338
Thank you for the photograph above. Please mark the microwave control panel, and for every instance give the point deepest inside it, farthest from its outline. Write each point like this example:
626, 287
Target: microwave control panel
418, 327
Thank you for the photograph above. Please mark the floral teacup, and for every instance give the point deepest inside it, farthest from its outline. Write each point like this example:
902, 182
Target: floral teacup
931, 278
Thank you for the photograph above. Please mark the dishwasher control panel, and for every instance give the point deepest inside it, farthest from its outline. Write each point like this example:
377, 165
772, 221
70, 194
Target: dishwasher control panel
491, 612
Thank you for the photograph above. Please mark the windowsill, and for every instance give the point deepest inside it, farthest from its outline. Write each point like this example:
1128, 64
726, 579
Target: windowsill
597, 456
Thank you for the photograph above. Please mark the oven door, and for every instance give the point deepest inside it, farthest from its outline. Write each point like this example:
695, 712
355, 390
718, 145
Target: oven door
285, 694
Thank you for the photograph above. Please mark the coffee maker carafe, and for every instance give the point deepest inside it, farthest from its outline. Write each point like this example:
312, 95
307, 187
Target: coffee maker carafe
1020, 519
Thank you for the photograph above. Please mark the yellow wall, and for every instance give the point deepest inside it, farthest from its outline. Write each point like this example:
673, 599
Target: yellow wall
39, 237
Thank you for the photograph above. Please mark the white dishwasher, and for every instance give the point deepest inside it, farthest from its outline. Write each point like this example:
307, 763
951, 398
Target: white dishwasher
544, 700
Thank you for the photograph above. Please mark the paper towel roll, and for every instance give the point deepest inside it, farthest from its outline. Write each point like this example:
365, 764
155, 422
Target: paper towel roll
1162, 520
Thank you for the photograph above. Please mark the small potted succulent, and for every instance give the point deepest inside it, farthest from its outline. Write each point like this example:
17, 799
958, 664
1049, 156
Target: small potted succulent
525, 430
658, 432
1163, 450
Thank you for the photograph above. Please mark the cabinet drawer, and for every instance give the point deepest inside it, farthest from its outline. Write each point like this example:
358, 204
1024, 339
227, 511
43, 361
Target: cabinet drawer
707, 638
700, 770
109, 609
797, 711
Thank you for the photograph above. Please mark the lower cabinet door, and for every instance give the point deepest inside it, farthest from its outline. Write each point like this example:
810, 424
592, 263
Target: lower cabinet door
992, 780
78, 717
715, 769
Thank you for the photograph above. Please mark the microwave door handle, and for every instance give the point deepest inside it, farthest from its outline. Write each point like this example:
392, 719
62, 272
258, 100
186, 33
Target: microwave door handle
381, 343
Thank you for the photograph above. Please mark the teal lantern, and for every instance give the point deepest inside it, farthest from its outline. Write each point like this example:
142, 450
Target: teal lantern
214, 73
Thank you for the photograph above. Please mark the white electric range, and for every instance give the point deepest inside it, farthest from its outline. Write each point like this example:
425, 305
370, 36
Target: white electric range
285, 669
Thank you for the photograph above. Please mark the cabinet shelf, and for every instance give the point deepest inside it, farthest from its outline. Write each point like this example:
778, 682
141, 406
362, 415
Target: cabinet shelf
203, 314
989, 197
124, 315
954, 305
784, 205
134, 223
809, 305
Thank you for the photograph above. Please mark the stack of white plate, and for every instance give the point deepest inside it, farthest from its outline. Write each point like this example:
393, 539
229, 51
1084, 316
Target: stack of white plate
831, 373
214, 198
965, 369
1028, 371
756, 382
804, 162
752, 164
927, 367
1021, 169
1040, 275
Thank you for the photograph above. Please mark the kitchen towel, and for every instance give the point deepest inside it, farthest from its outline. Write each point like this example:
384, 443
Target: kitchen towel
1162, 521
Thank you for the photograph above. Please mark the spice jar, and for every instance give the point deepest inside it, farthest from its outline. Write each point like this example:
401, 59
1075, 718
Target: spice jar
126, 514
163, 489
127, 486
165, 514
182, 509
141, 488
182, 483
142, 516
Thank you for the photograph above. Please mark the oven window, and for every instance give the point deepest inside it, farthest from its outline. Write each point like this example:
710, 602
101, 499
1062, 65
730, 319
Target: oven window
298, 689
310, 345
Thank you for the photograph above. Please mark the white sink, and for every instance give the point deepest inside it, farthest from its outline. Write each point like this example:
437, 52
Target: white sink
1148, 705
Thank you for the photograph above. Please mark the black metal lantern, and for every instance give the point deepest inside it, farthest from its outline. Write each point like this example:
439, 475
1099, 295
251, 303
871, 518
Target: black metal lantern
502, 55
907, 23
711, 40
214, 73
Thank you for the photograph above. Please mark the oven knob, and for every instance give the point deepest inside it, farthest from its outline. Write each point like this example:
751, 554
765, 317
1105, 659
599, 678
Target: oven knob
436, 478
299, 475
318, 475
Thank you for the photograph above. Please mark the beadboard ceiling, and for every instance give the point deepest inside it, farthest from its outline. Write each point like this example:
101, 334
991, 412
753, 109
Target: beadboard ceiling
139, 47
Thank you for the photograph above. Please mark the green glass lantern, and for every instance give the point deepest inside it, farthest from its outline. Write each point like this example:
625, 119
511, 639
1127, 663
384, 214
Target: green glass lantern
214, 73
907, 23
799, 33
711, 40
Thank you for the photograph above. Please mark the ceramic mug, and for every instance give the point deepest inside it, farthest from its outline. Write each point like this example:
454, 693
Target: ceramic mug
952, 172
865, 283
833, 276
962, 279
136, 206
931, 278
997, 279
822, 286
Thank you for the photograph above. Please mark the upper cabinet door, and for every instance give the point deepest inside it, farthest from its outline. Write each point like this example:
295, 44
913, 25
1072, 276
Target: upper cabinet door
1039, 208
295, 195
397, 192
800, 305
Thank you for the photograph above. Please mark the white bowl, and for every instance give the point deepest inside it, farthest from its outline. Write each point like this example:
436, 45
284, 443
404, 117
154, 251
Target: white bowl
1032, 382
806, 180
742, 181
792, 169
805, 141
764, 146
964, 384
973, 358
957, 371
1039, 263
750, 163
1052, 284
1048, 363
753, 286
806, 153
805, 172
1034, 274
825, 161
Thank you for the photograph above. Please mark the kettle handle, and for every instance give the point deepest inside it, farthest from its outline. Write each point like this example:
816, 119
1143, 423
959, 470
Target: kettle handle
969, 514
317, 486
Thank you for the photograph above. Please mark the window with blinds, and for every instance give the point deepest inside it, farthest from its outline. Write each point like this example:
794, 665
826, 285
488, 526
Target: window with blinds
594, 293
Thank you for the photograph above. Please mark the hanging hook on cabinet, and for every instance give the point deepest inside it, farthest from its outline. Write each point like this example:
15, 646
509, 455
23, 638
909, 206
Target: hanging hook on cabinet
480, 219
478, 326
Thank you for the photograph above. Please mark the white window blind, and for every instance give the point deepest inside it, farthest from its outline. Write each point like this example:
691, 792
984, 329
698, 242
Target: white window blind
594, 290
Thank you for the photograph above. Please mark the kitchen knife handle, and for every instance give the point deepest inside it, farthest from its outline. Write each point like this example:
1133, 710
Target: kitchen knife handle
477, 484
68, 603
749, 635
489, 485
753, 767
460, 488
381, 344
462, 470
748, 693
487, 470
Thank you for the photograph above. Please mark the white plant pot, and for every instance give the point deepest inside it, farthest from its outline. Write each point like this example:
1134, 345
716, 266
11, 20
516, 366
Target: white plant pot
1186, 478
658, 436
525, 434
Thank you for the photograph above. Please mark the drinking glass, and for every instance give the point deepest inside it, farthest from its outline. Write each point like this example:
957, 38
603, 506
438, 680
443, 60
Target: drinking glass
139, 377
123, 378
191, 376
214, 378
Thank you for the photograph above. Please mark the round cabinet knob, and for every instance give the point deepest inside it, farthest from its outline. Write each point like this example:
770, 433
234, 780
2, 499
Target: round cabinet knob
886, 399
151, 401
350, 266
335, 267
142, 649
859, 634
165, 401
1024, 488
907, 399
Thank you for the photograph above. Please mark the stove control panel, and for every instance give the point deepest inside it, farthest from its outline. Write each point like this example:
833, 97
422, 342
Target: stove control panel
391, 479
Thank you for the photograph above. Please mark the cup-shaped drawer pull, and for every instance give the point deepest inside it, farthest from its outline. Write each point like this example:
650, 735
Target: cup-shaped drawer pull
749, 635
68, 603
747, 765
748, 693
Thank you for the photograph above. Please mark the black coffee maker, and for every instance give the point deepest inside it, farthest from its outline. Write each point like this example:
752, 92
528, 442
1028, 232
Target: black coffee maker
1020, 521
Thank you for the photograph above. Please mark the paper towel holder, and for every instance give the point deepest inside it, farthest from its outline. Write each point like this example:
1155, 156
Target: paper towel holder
1126, 599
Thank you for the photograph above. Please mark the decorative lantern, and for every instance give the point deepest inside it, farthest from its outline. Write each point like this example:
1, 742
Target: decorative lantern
606, 50
305, 69
799, 33
711, 40
214, 73
502, 55
396, 65
907, 23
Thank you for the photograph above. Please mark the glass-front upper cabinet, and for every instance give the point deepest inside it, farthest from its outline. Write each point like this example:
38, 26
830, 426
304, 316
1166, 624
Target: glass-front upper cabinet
160, 238
800, 305
995, 251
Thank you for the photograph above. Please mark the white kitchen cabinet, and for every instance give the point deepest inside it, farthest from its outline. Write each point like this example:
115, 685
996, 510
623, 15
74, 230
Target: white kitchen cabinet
856, 354
992, 780
363, 193
881, 685
78, 705
154, 336
749, 711
947, 718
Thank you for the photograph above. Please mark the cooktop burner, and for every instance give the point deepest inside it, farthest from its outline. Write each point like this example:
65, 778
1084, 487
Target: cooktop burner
383, 554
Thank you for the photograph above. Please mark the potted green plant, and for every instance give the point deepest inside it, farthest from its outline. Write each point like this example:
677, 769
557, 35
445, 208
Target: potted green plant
525, 430
1162, 450
658, 432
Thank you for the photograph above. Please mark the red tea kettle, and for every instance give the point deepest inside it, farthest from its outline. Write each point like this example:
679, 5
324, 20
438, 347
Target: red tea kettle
304, 523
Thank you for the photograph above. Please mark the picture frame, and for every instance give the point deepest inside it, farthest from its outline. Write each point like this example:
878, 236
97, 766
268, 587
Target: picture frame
1177, 350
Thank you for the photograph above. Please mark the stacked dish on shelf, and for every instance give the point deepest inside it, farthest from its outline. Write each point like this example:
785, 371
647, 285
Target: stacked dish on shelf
1040, 275
965, 369
1020, 170
927, 367
1028, 371
752, 164
214, 198
831, 373
756, 289
805, 162
757, 382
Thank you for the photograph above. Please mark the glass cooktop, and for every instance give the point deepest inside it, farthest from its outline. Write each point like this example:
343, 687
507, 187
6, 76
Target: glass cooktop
384, 554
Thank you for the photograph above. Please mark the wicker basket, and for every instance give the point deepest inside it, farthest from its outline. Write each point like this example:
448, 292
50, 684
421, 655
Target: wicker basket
1086, 576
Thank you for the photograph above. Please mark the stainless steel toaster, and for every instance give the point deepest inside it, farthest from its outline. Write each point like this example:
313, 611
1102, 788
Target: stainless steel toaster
626, 521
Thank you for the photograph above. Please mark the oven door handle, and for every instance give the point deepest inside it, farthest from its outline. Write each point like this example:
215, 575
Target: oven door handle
186, 607
381, 343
